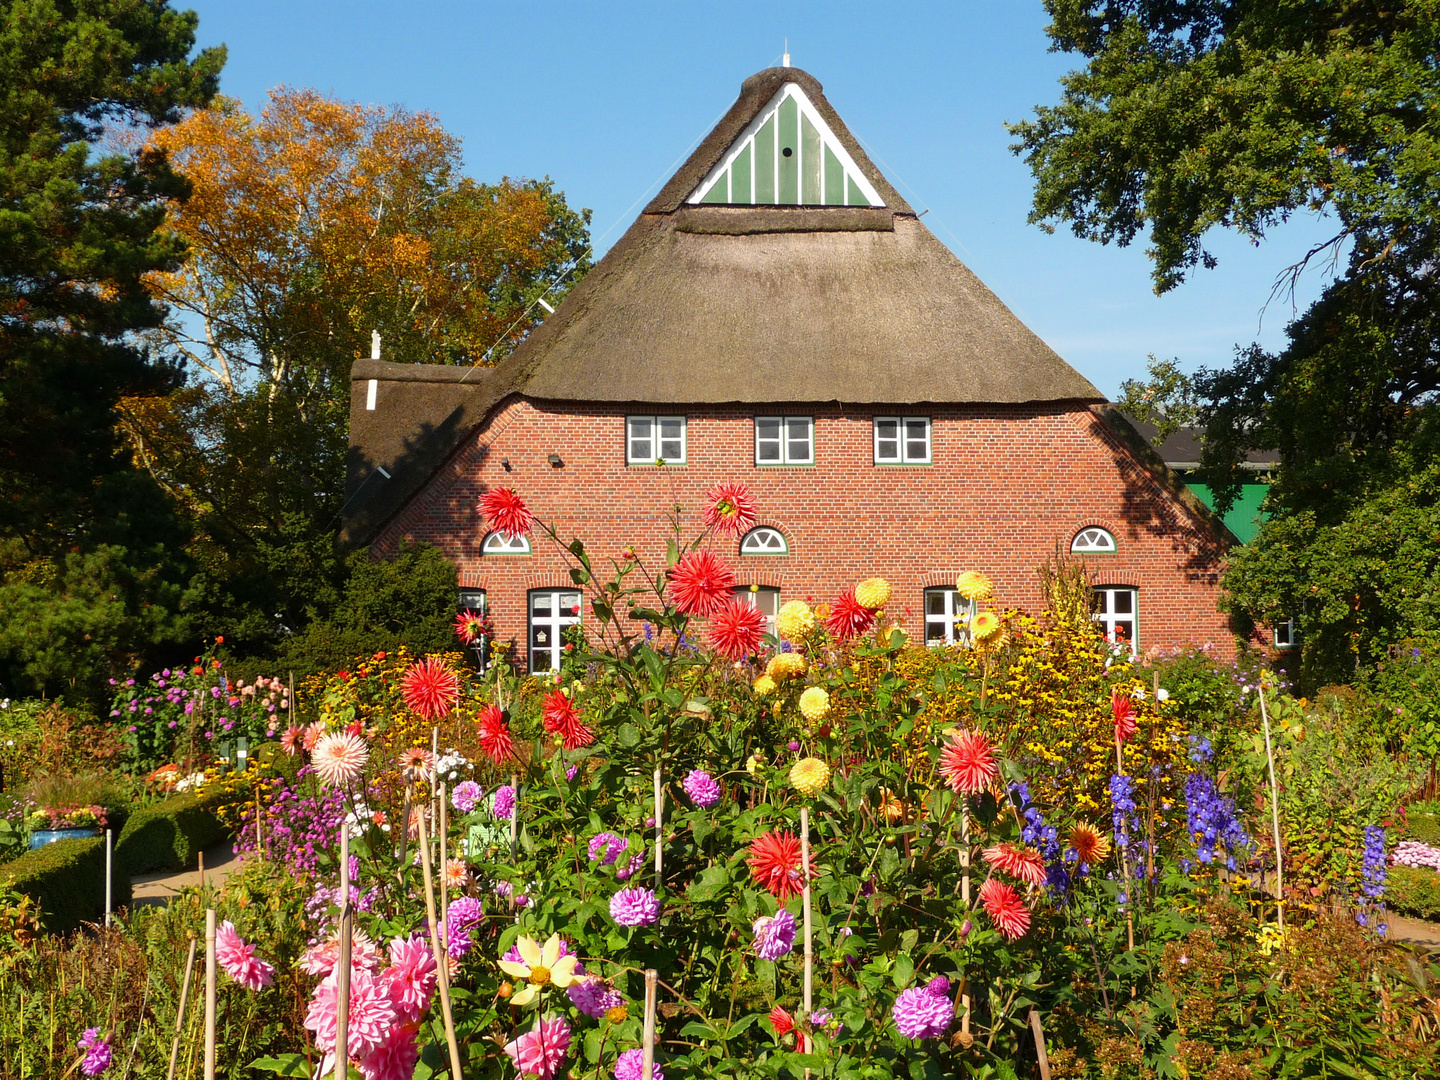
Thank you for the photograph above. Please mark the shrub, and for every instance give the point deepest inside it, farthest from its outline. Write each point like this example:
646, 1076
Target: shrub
1413, 890
67, 880
168, 835
1423, 827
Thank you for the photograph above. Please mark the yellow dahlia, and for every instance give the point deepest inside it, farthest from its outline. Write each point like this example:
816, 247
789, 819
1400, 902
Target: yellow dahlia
973, 585
873, 593
787, 665
815, 704
987, 629
809, 776
795, 620
763, 685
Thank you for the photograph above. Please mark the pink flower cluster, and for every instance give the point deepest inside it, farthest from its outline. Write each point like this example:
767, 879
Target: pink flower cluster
1415, 853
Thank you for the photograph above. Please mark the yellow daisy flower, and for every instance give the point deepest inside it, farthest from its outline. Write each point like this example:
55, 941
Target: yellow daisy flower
538, 966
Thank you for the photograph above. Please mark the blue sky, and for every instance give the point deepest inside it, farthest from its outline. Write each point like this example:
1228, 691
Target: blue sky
605, 97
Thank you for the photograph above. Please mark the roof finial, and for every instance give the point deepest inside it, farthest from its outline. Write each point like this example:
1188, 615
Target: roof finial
785, 59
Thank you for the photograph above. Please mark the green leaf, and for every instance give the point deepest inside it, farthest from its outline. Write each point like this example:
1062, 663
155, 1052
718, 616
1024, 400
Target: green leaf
672, 553
628, 736
579, 577
710, 884
284, 1065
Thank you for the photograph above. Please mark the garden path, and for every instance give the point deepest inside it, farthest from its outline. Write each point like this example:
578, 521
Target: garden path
161, 888
1409, 931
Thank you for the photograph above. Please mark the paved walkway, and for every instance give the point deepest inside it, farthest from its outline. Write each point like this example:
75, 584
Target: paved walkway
1408, 931
161, 888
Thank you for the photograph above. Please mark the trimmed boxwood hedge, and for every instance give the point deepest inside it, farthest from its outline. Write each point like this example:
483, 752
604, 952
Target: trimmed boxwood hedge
168, 835
1413, 890
67, 880
1423, 827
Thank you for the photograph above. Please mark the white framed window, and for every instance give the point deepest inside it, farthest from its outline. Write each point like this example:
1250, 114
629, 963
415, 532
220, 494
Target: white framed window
902, 440
764, 541
1091, 540
1285, 637
784, 440
551, 611
767, 599
1117, 610
650, 440
947, 617
497, 543
474, 600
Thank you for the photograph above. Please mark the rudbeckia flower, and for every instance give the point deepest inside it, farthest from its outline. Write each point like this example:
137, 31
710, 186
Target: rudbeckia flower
538, 966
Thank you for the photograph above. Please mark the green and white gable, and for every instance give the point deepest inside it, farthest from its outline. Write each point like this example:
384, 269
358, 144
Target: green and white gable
786, 156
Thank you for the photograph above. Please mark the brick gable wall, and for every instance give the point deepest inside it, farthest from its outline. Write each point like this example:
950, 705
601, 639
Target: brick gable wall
1007, 483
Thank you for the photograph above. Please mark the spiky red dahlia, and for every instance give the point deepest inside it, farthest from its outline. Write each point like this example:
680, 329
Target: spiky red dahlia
563, 719
1017, 861
730, 509
782, 1022
1005, 908
506, 513
469, 626
848, 617
495, 737
700, 583
775, 864
967, 763
429, 688
1123, 709
737, 629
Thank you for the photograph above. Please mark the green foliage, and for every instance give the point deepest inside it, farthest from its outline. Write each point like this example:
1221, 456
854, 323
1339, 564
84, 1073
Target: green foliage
1166, 399
169, 834
1422, 827
1413, 890
1408, 684
67, 880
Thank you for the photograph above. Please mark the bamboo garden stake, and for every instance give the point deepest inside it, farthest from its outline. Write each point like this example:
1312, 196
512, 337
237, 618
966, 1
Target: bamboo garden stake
209, 994
659, 817
647, 1063
442, 966
109, 872
444, 865
1274, 807
180, 1015
342, 966
965, 898
514, 821
805, 907
1039, 1032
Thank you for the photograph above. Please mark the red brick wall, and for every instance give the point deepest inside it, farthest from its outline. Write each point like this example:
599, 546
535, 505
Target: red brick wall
1007, 482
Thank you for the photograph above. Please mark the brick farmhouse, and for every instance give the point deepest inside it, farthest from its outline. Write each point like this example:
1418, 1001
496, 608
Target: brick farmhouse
780, 316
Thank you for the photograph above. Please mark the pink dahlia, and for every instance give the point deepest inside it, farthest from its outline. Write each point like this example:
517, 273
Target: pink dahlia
702, 788
291, 741
430, 688
339, 758
775, 864
637, 906
563, 719
410, 978
469, 626
736, 629
700, 583
417, 763
321, 959
1005, 908
968, 763
239, 959
848, 617
730, 509
312, 735
540, 1052
371, 1014
1123, 709
921, 1013
395, 1058
1017, 861
631, 1066
495, 737
506, 512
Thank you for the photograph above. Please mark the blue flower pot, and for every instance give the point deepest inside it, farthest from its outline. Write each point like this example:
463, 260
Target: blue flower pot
40, 837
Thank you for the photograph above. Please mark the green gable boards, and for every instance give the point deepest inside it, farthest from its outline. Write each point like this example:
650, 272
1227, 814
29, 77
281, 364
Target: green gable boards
786, 156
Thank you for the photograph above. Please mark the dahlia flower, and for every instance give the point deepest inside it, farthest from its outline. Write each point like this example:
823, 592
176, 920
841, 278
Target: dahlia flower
410, 978
787, 665
457, 874
416, 764
239, 959
469, 626
729, 509
338, 758
1005, 908
506, 513
465, 914
321, 959
1122, 707
370, 1018
795, 620
540, 1052
815, 704
393, 1059
701, 787
502, 803
920, 1013
1017, 861
987, 629
594, 997
774, 935
700, 583
430, 689
607, 847
809, 776
563, 719
737, 629
631, 1066
466, 796
775, 863
539, 965
967, 763
495, 738
1090, 845
891, 806
763, 685
973, 585
782, 1022
97, 1052
637, 906
848, 617
290, 742
311, 735
873, 593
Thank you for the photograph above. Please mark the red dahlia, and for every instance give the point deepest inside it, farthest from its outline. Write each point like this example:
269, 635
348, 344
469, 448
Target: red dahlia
700, 582
736, 629
495, 738
430, 688
1123, 709
1017, 861
782, 1022
1005, 908
563, 719
469, 626
730, 509
506, 512
775, 864
967, 763
848, 617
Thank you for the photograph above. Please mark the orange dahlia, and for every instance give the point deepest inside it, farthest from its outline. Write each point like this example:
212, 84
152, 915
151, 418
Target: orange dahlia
775, 863
736, 629
1017, 861
967, 763
506, 512
700, 583
730, 509
848, 617
563, 719
1123, 708
430, 688
1091, 846
1005, 908
495, 738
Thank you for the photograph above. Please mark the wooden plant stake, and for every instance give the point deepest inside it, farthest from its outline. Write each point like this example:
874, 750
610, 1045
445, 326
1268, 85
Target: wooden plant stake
404, 834
342, 965
659, 828
1039, 1033
209, 994
442, 963
180, 1016
514, 823
109, 872
805, 906
201, 857
444, 863
965, 898
1274, 807
647, 1063
434, 802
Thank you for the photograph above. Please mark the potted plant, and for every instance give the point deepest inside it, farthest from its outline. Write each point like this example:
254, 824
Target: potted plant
66, 807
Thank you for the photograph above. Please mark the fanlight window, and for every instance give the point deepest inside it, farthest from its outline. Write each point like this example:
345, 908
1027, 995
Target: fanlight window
497, 543
764, 541
1092, 539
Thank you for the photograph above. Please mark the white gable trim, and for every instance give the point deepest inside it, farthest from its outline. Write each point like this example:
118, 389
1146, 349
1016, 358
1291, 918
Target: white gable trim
720, 174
